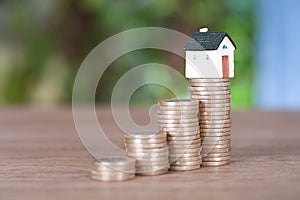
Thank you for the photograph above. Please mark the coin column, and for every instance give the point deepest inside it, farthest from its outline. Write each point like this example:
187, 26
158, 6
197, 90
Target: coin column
150, 151
180, 120
215, 124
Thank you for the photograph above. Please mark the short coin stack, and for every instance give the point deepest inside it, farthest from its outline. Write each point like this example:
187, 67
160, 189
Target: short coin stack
180, 120
215, 123
150, 151
113, 169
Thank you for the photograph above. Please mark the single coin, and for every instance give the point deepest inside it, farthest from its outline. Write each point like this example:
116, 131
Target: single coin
189, 159
178, 121
145, 135
182, 155
140, 169
147, 150
184, 168
210, 92
208, 88
216, 121
113, 170
148, 155
112, 178
187, 142
216, 159
214, 117
216, 155
152, 164
145, 146
181, 129
183, 133
186, 163
214, 126
210, 84
183, 138
204, 152
214, 130
208, 80
211, 164
221, 109
177, 108
184, 146
211, 98
215, 142
216, 146
206, 113
181, 125
176, 117
145, 141
183, 151
178, 102
215, 138
213, 101
214, 105
179, 112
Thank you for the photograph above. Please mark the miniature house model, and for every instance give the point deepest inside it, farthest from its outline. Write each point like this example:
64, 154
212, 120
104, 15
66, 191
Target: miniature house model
209, 55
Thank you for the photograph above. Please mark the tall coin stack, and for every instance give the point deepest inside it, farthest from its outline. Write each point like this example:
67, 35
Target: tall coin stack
180, 120
150, 150
215, 124
113, 169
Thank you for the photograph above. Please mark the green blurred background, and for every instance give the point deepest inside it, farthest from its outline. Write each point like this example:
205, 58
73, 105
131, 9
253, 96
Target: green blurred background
42, 43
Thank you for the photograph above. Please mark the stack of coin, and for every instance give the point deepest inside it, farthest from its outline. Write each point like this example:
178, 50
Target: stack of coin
113, 169
215, 123
180, 120
150, 150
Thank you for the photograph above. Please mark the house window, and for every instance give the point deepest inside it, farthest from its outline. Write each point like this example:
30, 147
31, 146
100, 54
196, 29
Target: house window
207, 57
194, 57
224, 46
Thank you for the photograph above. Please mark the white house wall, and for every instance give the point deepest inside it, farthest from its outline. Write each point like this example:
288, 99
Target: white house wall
208, 64
202, 64
230, 52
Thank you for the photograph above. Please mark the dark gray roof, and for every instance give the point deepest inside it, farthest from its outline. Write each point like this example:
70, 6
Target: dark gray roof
206, 41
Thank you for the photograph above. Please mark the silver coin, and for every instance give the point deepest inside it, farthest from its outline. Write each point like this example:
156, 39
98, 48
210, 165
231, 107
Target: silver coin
207, 80
207, 88
215, 155
183, 151
204, 152
215, 134
214, 117
147, 150
216, 142
177, 121
216, 121
214, 164
143, 135
183, 133
178, 112
184, 168
215, 126
177, 117
140, 169
146, 146
184, 146
216, 159
213, 101
221, 109
114, 161
177, 102
189, 159
216, 146
214, 105
177, 108
211, 98
211, 93
181, 129
186, 163
182, 155
184, 138
216, 138
152, 164
211, 84
151, 159
145, 141
181, 125
180, 142
140, 155
214, 130
112, 178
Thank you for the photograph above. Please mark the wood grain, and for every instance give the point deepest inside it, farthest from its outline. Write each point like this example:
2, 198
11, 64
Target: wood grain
41, 157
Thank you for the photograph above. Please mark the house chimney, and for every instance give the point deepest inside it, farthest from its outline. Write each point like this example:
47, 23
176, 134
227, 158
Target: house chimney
205, 29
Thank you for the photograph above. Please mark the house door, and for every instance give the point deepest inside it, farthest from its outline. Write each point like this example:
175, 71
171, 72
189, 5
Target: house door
225, 66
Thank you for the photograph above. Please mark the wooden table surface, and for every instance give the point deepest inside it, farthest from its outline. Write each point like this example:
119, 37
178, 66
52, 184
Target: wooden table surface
41, 157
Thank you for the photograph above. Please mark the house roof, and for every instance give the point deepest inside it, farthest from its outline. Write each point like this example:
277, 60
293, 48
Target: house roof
200, 41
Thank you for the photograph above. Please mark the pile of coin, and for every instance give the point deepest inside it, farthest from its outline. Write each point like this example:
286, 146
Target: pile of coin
179, 119
150, 150
113, 169
215, 124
